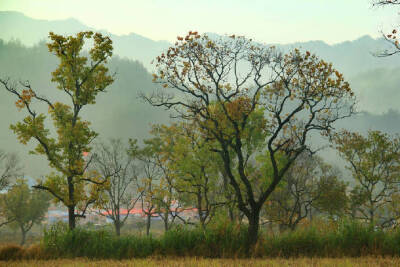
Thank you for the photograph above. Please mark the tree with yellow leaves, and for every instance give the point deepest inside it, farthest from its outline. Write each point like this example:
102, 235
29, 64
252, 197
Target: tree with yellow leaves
218, 84
80, 78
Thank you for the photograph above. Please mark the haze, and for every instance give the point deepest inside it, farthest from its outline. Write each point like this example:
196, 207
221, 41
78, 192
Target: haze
287, 21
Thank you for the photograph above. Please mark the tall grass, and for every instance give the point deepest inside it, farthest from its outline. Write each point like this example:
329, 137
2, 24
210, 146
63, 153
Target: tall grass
345, 239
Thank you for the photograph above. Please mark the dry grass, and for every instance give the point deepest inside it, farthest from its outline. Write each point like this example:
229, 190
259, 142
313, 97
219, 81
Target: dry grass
350, 262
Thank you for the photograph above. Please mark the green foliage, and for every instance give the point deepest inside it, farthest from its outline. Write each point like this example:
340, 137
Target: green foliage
309, 186
374, 161
193, 168
81, 78
24, 207
321, 239
333, 198
343, 239
60, 242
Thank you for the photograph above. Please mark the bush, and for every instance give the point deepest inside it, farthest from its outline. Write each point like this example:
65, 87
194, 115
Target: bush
11, 252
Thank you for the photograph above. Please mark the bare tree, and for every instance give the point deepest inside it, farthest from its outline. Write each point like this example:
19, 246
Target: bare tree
391, 37
112, 160
385, 2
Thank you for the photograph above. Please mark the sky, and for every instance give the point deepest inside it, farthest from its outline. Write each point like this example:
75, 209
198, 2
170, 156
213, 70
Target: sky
267, 21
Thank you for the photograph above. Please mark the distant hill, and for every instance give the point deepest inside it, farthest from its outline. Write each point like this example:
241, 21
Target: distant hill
17, 26
372, 78
351, 57
119, 112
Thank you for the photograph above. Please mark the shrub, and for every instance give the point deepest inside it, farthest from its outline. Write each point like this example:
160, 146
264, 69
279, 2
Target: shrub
11, 252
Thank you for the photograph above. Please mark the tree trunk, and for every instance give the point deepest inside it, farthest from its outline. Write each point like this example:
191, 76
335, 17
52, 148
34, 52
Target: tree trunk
71, 208
372, 215
71, 217
231, 215
252, 233
117, 225
200, 211
228, 197
148, 224
23, 236
166, 226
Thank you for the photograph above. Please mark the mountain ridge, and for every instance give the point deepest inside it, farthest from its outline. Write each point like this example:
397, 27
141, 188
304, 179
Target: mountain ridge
137, 47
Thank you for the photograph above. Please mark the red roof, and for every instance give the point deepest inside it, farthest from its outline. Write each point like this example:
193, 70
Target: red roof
142, 213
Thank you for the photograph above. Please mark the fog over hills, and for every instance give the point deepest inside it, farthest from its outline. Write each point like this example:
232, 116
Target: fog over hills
119, 112
30, 31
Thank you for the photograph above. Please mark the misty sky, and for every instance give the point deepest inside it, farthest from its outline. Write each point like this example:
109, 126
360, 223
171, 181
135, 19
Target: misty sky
266, 21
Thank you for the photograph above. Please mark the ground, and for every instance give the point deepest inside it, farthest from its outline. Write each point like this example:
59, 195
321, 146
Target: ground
350, 262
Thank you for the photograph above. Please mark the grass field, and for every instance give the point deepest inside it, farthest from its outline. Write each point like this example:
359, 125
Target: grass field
350, 262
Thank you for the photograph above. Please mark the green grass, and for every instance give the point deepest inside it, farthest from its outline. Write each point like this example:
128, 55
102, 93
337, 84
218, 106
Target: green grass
347, 239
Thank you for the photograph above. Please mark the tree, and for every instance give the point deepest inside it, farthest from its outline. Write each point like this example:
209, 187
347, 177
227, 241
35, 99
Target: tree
24, 206
333, 199
9, 168
386, 2
112, 160
194, 168
80, 78
219, 85
158, 193
309, 184
148, 180
374, 161
391, 37
163, 191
